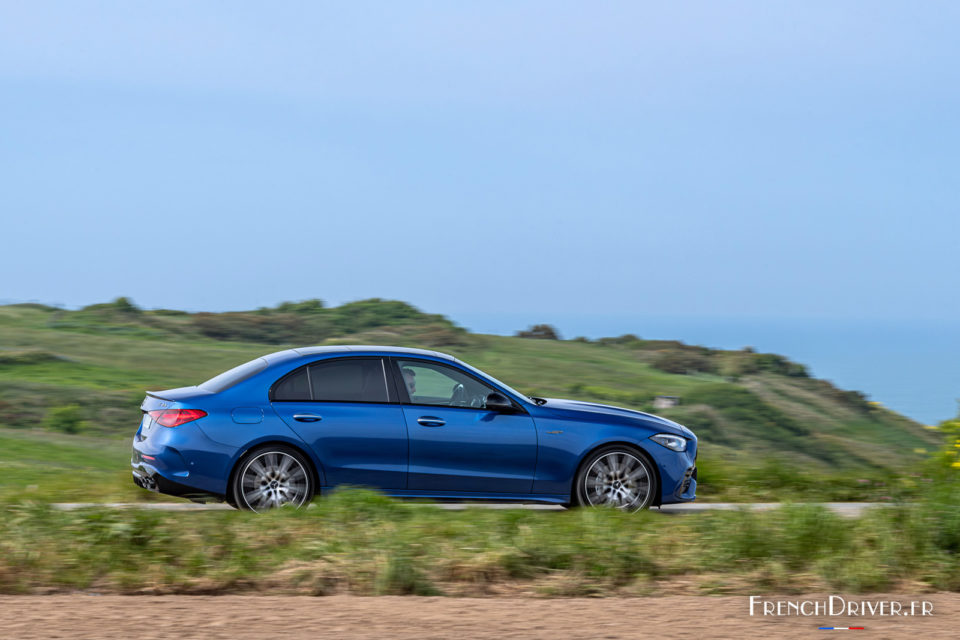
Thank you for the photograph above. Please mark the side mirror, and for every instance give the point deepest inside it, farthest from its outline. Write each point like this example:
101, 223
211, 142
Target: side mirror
499, 402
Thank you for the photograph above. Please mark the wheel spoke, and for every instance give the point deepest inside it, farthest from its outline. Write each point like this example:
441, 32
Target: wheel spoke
637, 473
257, 467
615, 463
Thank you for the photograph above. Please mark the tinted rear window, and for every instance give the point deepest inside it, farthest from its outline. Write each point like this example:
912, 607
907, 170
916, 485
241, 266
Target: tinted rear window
293, 388
234, 376
342, 380
350, 380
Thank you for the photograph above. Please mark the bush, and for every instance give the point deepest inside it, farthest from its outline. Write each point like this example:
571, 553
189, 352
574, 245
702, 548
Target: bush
627, 339
68, 419
778, 364
540, 332
121, 305
250, 327
683, 361
314, 305
362, 315
28, 356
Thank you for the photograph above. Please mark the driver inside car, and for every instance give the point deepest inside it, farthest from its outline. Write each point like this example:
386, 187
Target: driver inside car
410, 378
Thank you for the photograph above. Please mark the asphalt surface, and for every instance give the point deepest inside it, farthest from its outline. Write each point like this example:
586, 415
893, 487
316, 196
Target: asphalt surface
848, 509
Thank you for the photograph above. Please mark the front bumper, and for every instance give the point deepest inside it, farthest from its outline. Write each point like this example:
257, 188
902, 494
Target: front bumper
678, 472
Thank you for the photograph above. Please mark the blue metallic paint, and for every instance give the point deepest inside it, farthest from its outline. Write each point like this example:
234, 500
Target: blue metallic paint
533, 454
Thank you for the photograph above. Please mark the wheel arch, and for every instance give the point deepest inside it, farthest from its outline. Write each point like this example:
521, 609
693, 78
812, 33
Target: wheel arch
657, 498
254, 447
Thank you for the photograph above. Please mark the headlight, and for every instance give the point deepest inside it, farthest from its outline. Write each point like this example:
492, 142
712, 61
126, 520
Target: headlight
670, 441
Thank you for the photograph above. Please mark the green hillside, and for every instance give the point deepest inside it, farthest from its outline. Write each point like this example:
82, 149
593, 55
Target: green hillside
764, 423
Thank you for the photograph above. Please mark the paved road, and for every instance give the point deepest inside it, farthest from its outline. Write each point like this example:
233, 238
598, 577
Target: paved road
848, 509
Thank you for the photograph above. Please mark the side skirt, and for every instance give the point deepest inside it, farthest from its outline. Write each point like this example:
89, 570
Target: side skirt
459, 496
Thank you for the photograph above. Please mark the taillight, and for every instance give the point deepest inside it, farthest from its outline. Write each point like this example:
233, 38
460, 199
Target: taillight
176, 417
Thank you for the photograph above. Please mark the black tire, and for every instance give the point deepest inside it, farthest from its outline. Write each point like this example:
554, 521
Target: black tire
271, 476
618, 476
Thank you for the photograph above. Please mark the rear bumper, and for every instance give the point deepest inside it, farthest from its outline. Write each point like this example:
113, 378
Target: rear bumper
148, 477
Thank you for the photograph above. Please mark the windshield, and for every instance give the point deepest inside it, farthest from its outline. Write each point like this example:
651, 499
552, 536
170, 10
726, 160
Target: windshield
236, 375
494, 380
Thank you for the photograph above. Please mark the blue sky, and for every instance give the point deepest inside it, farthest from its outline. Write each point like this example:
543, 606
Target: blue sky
544, 159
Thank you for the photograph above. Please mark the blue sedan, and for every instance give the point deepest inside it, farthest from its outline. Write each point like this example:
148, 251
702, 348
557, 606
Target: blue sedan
283, 428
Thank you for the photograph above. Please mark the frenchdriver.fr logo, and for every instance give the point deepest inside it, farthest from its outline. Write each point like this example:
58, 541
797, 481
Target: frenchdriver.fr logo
839, 606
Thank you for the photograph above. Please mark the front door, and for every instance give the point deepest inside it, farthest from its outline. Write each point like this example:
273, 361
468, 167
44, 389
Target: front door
456, 444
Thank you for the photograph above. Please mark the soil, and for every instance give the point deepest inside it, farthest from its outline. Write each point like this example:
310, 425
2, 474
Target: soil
301, 617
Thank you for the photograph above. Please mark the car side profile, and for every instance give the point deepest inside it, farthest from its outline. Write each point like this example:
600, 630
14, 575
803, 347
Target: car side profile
283, 428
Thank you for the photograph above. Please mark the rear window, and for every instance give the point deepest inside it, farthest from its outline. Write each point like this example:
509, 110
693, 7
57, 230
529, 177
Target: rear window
293, 388
349, 380
342, 380
234, 376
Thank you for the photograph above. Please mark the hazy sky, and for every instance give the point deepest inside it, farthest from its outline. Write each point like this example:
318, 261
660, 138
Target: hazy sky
759, 159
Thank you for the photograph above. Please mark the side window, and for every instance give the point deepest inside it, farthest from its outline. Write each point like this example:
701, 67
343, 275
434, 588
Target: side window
293, 388
349, 380
437, 384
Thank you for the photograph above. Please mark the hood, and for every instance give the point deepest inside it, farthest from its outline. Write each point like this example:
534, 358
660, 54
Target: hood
593, 411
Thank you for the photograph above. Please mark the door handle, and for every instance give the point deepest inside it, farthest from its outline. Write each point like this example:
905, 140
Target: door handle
430, 421
307, 417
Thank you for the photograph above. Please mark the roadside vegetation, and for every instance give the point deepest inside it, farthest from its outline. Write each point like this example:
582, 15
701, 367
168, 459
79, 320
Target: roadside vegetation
359, 542
356, 541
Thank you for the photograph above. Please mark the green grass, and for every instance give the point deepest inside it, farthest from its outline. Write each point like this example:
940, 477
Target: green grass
52, 467
359, 542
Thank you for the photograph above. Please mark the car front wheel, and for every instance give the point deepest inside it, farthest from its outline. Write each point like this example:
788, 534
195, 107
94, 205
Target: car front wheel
618, 477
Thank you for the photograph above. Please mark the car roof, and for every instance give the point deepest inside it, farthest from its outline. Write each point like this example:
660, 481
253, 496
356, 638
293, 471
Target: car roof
340, 348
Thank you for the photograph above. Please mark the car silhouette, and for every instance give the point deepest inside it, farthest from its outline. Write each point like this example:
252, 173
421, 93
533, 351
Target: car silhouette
283, 428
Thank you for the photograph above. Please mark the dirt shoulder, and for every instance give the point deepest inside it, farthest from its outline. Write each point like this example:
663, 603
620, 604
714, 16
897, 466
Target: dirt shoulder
296, 617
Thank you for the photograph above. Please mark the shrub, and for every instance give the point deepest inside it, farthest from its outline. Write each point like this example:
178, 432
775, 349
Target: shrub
67, 418
683, 361
273, 329
627, 339
541, 332
778, 364
28, 356
314, 305
121, 305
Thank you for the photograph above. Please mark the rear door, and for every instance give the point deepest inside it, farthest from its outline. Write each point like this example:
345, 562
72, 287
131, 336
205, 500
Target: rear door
456, 444
348, 413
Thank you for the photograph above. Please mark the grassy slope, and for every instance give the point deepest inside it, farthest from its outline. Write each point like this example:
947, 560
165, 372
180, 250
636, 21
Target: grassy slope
105, 362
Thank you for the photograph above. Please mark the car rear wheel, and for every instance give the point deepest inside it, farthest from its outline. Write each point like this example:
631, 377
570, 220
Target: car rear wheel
272, 477
616, 476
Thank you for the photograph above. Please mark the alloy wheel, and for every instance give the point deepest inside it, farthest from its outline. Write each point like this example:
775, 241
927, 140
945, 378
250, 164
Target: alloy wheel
618, 479
273, 479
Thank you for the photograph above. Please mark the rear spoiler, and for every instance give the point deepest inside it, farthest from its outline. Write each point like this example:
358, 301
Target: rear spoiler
170, 398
